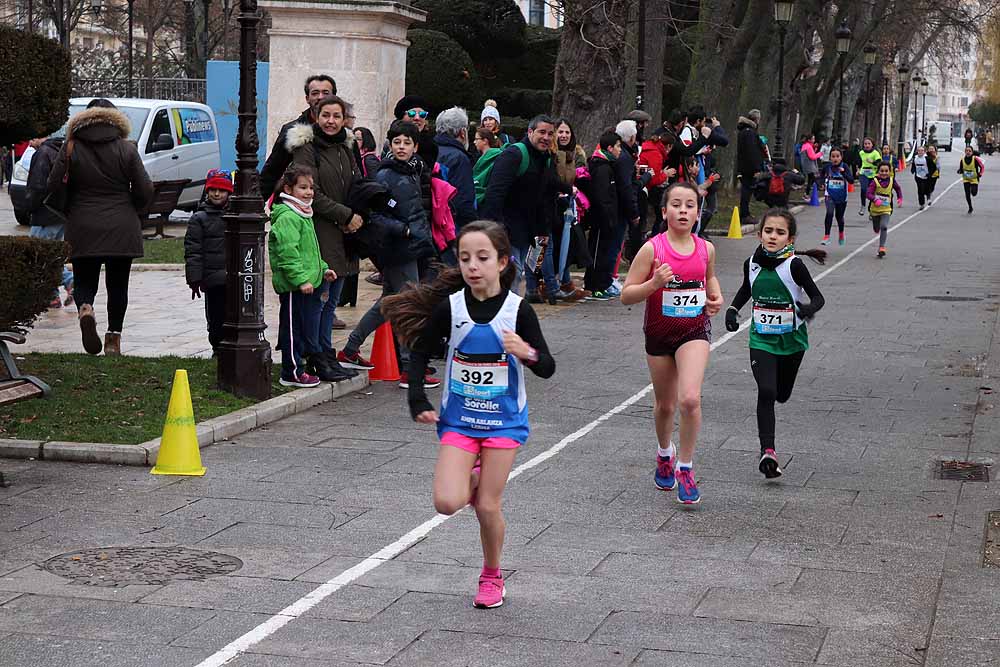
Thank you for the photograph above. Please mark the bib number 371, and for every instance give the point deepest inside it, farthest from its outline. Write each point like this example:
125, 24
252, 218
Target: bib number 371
683, 302
773, 319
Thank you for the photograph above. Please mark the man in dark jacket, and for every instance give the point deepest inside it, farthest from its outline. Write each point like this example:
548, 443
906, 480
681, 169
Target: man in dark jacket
749, 159
629, 185
515, 196
603, 215
452, 139
317, 87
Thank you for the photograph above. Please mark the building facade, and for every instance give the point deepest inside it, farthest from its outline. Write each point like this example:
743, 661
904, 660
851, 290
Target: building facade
543, 13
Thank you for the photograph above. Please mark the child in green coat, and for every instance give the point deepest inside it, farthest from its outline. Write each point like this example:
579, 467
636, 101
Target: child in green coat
297, 269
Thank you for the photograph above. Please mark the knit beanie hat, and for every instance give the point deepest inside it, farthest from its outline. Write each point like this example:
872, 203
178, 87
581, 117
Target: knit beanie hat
217, 179
408, 102
490, 111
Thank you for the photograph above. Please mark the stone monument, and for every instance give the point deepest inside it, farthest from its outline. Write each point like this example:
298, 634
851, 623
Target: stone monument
360, 43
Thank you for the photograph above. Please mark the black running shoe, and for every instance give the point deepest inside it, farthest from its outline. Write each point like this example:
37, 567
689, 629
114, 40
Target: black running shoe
768, 465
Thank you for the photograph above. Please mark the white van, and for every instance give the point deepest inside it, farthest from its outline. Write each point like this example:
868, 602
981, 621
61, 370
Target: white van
176, 140
941, 131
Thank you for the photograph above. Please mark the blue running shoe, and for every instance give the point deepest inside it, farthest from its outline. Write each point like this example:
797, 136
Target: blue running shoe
687, 490
664, 476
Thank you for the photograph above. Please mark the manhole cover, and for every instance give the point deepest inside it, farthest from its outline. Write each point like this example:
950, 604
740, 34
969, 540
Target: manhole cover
121, 566
963, 471
991, 540
950, 298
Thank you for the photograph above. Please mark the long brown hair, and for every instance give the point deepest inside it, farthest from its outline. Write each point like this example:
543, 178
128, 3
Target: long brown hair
816, 254
409, 310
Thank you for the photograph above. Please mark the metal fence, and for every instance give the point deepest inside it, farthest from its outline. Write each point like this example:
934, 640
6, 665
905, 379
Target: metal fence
188, 90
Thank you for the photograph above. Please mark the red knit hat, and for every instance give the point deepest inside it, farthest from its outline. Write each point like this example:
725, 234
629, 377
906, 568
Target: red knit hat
218, 179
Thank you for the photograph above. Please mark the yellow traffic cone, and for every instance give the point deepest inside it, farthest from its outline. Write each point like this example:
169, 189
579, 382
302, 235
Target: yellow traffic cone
735, 231
179, 453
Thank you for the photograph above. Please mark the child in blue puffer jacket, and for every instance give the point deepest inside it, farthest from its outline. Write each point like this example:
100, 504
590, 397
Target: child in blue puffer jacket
835, 176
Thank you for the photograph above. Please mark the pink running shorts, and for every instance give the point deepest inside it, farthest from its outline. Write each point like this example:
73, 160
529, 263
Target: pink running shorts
475, 445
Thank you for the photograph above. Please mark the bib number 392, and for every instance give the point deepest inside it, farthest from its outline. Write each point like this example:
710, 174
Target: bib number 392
683, 302
773, 319
479, 376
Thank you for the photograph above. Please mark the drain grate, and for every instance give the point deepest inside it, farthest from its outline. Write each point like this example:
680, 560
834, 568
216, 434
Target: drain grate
963, 471
950, 298
991, 540
122, 566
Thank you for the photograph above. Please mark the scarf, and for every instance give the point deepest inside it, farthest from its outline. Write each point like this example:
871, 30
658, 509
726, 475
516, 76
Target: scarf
784, 253
303, 208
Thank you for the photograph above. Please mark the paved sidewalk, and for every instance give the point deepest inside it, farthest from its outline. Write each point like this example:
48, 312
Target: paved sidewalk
856, 558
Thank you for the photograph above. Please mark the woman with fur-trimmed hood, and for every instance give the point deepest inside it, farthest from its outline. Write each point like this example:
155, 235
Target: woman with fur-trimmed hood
104, 184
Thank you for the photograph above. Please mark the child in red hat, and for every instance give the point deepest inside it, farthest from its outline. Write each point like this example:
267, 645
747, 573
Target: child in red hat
205, 252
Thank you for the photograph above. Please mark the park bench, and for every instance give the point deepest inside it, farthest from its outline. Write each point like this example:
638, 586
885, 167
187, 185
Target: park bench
165, 197
14, 386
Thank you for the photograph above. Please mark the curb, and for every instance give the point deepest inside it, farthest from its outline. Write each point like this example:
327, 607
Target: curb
157, 267
213, 430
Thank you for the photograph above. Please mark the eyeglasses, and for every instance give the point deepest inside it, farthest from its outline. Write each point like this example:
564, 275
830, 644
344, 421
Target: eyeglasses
413, 113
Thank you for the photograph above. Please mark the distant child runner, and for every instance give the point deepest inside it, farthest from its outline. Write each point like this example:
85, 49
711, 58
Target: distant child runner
674, 273
836, 176
492, 336
870, 159
932, 180
297, 269
971, 168
777, 281
205, 253
922, 166
880, 192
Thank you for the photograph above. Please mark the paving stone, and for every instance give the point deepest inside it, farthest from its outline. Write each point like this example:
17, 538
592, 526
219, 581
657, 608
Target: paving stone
230, 593
221, 629
652, 658
874, 646
711, 572
466, 649
33, 579
320, 514
610, 540
605, 592
341, 641
873, 558
967, 606
38, 650
951, 651
262, 660
356, 603
759, 641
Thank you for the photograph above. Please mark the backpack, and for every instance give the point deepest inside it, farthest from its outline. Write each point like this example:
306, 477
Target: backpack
776, 187
484, 167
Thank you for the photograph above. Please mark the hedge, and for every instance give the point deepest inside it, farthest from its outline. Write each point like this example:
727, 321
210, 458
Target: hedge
439, 70
32, 270
34, 97
486, 29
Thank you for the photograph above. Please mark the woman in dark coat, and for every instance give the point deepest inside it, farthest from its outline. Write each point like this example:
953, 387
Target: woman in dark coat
105, 185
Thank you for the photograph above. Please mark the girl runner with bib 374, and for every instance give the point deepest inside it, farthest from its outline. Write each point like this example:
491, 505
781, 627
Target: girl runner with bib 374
492, 336
674, 273
776, 280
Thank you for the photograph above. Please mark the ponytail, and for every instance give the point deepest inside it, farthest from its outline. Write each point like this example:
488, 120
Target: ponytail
409, 311
818, 255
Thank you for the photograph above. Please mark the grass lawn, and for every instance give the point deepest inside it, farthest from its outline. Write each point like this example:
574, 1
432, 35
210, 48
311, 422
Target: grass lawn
117, 400
163, 251
729, 198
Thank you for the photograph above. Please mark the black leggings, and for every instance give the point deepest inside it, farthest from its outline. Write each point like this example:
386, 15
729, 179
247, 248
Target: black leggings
833, 208
923, 190
775, 376
87, 274
971, 190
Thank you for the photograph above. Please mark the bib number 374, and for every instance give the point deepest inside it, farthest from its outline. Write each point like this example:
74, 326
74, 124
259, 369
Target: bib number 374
683, 302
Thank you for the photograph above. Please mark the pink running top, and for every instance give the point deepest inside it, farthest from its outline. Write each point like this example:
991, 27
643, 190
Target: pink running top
686, 268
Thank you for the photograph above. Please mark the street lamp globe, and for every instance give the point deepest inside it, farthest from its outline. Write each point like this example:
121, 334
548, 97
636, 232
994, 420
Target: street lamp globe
870, 53
924, 85
904, 73
783, 10
843, 36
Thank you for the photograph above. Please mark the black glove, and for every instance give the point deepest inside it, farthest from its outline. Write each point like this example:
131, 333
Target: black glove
807, 311
732, 319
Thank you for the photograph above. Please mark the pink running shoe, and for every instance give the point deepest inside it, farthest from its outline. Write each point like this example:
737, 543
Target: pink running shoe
491, 592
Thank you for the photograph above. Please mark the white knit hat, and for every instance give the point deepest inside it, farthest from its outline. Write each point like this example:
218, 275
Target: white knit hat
490, 111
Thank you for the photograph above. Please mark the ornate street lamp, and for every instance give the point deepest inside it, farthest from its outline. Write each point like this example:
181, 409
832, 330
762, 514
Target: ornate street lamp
131, 47
783, 11
244, 362
916, 92
904, 77
843, 36
640, 69
924, 85
870, 53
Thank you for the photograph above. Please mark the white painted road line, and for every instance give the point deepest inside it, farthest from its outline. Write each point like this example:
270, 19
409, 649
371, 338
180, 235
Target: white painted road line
317, 595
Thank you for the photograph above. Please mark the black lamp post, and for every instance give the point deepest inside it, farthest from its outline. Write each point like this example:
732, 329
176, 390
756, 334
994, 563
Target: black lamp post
244, 362
843, 36
904, 77
885, 106
870, 53
226, 14
924, 85
783, 11
916, 100
204, 34
640, 69
131, 47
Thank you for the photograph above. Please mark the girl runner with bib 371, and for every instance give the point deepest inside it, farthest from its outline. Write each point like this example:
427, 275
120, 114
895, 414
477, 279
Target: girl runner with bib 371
492, 336
674, 273
776, 280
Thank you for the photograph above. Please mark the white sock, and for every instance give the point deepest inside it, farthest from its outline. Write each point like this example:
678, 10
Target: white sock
666, 453
686, 464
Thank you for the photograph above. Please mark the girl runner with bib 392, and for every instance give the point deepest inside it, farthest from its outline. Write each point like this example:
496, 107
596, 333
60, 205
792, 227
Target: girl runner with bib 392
492, 336
674, 273
777, 281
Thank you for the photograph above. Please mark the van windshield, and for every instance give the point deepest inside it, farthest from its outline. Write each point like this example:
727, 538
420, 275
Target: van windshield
136, 118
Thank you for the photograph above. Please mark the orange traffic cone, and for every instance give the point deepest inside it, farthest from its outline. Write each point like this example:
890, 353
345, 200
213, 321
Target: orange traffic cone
902, 163
384, 356
850, 187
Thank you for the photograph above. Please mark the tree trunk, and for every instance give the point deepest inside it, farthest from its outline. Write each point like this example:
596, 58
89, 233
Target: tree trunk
592, 65
656, 49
